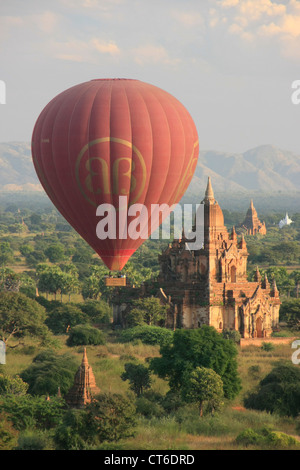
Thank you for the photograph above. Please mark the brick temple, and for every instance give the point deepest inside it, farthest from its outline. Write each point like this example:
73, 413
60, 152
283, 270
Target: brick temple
252, 225
209, 285
84, 387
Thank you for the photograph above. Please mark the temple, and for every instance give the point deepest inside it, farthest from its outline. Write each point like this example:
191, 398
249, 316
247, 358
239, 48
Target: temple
84, 387
210, 285
252, 225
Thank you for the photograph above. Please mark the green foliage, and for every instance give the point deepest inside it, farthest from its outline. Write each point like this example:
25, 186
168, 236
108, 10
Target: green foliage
111, 417
266, 439
55, 252
148, 310
98, 311
278, 392
33, 440
48, 372
6, 254
73, 433
138, 376
64, 317
147, 334
19, 316
201, 386
27, 412
149, 408
12, 385
290, 312
8, 434
195, 348
267, 346
85, 335
234, 335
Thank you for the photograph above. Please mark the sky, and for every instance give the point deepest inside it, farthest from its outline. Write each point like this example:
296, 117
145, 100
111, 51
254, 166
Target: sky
231, 63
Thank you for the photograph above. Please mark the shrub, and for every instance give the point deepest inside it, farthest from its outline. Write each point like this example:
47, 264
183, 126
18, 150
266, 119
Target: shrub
266, 438
49, 371
32, 440
148, 408
64, 317
267, 347
234, 335
147, 334
278, 392
98, 311
85, 335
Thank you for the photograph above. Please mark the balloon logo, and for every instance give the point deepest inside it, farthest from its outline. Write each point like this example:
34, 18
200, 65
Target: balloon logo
107, 138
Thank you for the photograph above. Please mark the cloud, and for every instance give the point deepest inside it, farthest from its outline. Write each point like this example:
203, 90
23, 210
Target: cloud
104, 47
153, 54
255, 20
84, 51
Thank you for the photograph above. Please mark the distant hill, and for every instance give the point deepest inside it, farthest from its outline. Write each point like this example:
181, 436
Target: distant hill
264, 169
16, 168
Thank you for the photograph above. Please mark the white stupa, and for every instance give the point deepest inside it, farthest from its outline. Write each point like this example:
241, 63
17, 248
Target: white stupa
285, 221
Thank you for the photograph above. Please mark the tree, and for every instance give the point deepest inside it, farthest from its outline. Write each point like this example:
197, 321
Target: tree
195, 348
6, 254
19, 316
278, 392
64, 317
138, 376
8, 434
98, 311
85, 335
12, 385
290, 312
28, 412
111, 417
51, 279
203, 385
148, 310
55, 252
48, 372
73, 433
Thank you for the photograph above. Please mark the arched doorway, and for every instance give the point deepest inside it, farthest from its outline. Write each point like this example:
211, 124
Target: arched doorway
259, 328
233, 274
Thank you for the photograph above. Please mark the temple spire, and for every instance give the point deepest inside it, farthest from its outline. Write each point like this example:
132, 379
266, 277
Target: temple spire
209, 194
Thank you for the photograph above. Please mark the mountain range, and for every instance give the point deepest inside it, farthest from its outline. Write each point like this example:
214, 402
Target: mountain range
266, 169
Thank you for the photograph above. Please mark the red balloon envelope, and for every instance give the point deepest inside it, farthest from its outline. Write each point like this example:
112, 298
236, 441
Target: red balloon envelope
108, 138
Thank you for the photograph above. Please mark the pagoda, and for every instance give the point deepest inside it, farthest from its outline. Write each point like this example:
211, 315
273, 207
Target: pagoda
210, 285
252, 225
84, 387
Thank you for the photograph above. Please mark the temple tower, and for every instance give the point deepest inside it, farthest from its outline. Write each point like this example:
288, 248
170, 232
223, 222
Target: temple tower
252, 225
84, 387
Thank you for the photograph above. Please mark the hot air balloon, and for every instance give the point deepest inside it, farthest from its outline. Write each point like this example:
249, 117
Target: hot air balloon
111, 140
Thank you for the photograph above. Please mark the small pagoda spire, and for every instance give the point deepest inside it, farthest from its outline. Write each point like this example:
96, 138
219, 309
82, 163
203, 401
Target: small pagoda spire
84, 358
251, 205
274, 292
243, 244
265, 283
257, 275
233, 235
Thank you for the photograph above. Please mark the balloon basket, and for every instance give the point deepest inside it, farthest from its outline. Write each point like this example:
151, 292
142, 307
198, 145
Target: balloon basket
115, 281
